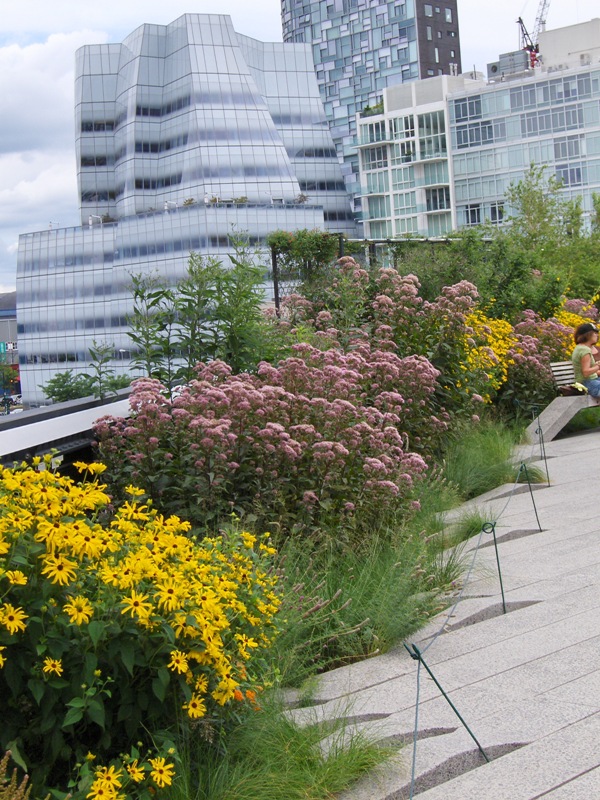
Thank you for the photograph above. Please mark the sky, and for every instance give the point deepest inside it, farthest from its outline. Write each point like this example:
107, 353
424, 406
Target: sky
38, 40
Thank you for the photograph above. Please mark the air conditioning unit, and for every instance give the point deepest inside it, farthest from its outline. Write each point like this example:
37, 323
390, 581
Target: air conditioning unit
493, 70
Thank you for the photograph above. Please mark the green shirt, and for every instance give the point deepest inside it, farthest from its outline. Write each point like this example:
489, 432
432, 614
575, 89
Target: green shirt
580, 351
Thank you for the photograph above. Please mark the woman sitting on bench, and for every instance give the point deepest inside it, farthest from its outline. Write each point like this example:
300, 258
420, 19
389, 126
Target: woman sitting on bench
585, 367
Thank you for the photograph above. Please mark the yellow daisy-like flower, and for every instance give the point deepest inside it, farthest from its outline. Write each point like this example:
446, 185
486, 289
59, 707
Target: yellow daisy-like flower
134, 491
178, 662
53, 666
59, 569
136, 773
136, 605
161, 773
196, 707
102, 791
16, 577
79, 609
109, 776
12, 618
2, 658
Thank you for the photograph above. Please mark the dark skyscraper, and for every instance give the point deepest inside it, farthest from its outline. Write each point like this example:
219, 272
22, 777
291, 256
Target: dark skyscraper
361, 46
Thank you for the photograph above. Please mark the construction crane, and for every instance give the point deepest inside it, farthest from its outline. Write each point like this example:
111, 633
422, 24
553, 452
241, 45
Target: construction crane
529, 42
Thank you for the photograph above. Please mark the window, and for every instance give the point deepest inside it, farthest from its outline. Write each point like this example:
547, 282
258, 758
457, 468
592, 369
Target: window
497, 212
429, 33
473, 214
428, 10
437, 56
569, 175
452, 53
375, 158
438, 199
448, 15
565, 147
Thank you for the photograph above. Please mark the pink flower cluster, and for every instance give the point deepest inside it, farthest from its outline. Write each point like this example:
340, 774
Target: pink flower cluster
323, 434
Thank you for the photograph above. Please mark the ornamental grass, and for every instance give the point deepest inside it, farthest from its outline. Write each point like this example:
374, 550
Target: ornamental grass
118, 632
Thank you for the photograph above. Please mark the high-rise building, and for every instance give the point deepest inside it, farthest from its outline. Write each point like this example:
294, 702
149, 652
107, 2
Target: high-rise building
183, 131
443, 152
360, 47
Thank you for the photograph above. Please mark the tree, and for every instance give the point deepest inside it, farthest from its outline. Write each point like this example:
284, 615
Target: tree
101, 382
213, 312
540, 213
67, 385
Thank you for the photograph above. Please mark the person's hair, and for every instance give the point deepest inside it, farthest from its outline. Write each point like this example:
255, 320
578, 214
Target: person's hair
582, 332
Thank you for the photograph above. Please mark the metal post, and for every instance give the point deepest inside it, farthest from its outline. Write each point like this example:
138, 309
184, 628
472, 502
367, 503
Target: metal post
416, 654
490, 527
523, 468
275, 270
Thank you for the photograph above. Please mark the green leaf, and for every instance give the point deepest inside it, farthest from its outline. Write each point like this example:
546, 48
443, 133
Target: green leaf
95, 630
76, 702
96, 713
73, 715
128, 656
37, 689
16, 756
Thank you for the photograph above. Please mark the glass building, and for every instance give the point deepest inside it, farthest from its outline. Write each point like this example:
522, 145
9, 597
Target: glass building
360, 47
443, 152
182, 131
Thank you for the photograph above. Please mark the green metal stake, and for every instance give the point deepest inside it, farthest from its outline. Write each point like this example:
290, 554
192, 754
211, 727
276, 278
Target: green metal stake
490, 527
416, 654
523, 467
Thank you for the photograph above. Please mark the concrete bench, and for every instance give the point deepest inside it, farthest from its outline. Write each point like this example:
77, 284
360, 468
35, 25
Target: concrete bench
562, 409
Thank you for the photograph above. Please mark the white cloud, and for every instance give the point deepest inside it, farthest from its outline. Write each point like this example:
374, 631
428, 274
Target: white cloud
38, 41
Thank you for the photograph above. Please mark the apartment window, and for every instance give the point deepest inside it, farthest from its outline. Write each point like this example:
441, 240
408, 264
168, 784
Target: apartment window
438, 199
569, 175
428, 10
497, 212
451, 33
452, 53
429, 33
567, 147
375, 158
448, 15
430, 72
473, 214
439, 34
437, 56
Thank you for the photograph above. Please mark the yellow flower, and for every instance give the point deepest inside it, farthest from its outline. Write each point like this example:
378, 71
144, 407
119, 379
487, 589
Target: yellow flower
136, 605
59, 569
79, 610
196, 707
136, 773
178, 662
109, 776
161, 773
53, 666
12, 618
102, 791
16, 577
2, 658
169, 594
134, 491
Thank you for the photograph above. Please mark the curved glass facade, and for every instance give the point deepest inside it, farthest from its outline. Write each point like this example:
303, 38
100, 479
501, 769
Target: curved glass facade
183, 132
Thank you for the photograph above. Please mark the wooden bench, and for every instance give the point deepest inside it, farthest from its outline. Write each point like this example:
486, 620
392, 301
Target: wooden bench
562, 409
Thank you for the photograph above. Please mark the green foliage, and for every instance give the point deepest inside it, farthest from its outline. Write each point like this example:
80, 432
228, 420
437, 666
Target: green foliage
303, 255
67, 385
213, 312
115, 628
342, 606
270, 757
103, 379
480, 458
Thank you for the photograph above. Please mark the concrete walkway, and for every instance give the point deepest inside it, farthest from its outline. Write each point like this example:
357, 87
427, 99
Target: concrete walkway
527, 682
